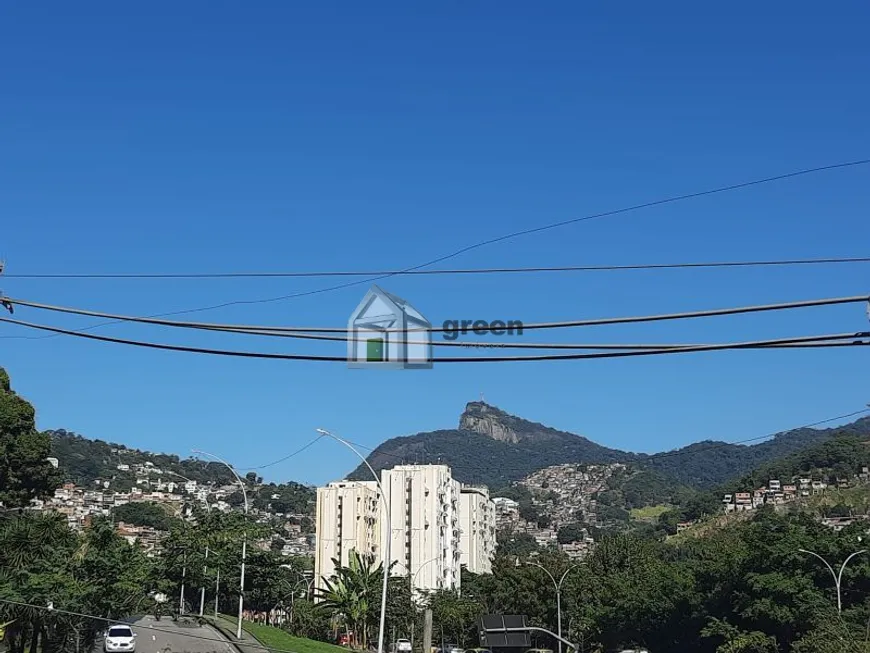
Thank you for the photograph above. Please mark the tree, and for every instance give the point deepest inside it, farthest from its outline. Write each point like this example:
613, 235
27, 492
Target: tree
277, 545
353, 593
735, 640
25, 472
142, 513
42, 561
516, 544
571, 533
454, 617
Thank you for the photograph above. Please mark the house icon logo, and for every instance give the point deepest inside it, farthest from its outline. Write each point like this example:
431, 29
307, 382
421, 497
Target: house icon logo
385, 331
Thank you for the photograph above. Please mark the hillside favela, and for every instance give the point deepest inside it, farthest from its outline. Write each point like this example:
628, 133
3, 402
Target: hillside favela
387, 327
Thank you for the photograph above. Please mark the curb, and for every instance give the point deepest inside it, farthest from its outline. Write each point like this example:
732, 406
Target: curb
230, 635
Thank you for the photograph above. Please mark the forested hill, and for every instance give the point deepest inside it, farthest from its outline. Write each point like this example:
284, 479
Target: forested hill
841, 457
82, 461
710, 463
496, 448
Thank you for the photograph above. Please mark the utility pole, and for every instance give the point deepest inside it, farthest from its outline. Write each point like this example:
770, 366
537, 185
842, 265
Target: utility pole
426, 645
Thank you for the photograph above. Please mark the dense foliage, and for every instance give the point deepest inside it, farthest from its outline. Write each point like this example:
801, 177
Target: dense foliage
25, 472
142, 513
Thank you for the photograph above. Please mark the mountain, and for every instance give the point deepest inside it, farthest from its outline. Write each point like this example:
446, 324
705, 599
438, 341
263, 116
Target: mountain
493, 447
490, 447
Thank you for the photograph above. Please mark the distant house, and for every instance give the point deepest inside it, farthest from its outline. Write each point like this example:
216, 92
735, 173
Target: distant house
774, 485
789, 489
838, 523
123, 468
758, 497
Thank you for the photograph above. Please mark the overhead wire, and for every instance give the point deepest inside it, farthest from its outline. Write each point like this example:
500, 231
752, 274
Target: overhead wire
241, 328
753, 344
515, 234
444, 272
526, 232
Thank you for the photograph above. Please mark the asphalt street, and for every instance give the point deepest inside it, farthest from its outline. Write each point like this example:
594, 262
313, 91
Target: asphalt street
167, 636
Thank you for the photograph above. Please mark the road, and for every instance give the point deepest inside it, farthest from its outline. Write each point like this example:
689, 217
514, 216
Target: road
167, 636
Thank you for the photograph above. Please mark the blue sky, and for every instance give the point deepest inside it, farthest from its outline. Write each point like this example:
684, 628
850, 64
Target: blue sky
206, 137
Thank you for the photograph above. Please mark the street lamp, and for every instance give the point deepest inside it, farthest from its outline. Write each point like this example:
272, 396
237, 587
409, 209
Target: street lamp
244, 536
837, 577
205, 565
558, 586
386, 562
419, 569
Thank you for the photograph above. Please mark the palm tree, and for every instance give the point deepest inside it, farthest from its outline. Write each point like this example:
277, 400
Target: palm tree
35, 559
353, 593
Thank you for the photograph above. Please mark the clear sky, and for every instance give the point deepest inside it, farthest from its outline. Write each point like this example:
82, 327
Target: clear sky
208, 137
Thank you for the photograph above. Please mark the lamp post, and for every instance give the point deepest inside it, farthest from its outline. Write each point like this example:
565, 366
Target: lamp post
244, 536
386, 563
838, 577
558, 586
419, 569
413, 588
205, 565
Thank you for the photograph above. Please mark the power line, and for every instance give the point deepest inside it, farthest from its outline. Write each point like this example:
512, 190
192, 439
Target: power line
517, 234
817, 341
454, 271
281, 460
261, 329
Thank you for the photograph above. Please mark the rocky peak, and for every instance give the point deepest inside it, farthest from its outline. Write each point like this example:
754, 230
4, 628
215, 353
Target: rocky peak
490, 421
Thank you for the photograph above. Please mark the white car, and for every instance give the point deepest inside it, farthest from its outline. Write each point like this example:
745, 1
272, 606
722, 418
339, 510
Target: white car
402, 646
120, 638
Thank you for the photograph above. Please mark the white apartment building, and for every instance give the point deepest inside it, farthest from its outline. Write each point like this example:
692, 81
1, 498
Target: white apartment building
348, 517
477, 523
437, 526
424, 514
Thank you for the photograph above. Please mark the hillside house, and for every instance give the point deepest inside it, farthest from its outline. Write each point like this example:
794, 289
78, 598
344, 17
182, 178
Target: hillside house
774, 485
758, 497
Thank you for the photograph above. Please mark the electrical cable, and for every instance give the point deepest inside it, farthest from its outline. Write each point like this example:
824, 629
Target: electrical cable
516, 234
257, 329
281, 460
526, 232
455, 271
754, 344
